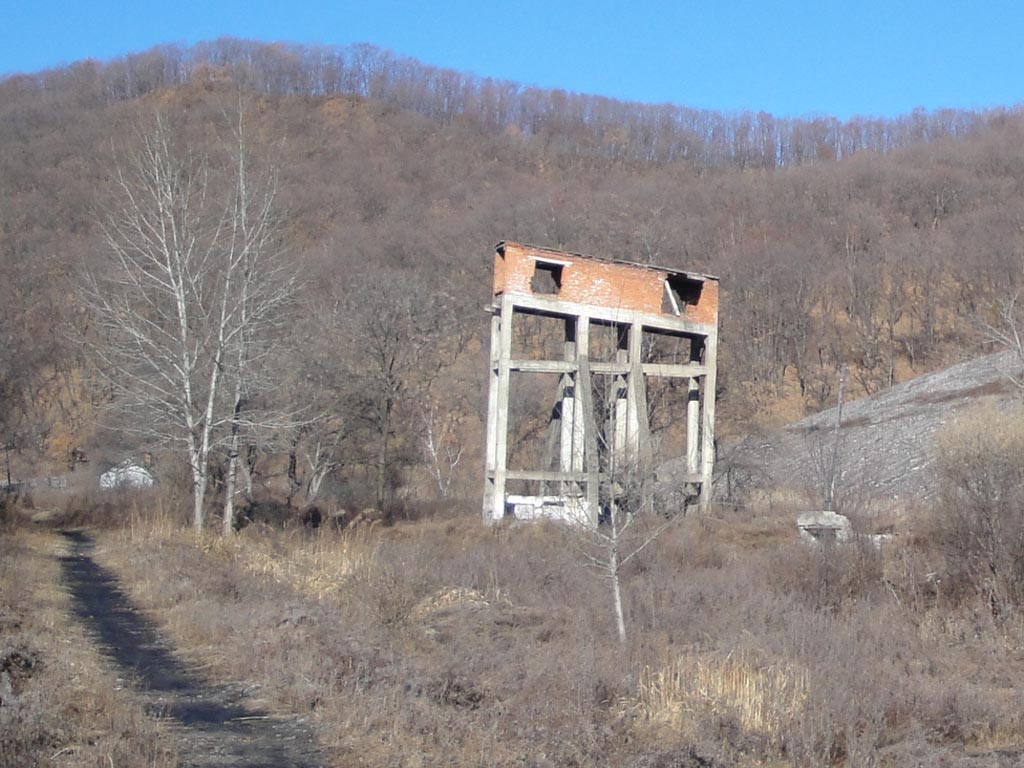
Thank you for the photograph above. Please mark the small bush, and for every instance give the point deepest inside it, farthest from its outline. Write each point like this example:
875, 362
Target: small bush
828, 577
980, 523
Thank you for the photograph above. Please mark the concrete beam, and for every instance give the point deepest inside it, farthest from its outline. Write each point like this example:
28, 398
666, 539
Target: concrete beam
559, 308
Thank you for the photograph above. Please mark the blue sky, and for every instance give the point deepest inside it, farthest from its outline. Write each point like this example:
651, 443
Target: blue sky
789, 58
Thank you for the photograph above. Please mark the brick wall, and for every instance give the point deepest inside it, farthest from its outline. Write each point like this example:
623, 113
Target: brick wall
587, 280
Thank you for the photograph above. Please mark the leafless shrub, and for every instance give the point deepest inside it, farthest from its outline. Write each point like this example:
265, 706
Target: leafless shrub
390, 597
980, 522
830, 576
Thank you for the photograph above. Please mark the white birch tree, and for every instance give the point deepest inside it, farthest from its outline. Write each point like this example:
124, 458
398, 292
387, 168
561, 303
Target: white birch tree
266, 283
442, 446
185, 296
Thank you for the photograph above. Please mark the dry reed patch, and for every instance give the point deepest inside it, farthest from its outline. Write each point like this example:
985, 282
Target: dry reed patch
764, 698
318, 566
746, 534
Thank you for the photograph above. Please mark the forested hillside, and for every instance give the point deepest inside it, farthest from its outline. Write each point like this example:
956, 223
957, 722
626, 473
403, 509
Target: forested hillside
875, 242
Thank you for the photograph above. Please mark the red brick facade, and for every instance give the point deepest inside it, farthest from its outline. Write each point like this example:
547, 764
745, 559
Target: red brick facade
586, 280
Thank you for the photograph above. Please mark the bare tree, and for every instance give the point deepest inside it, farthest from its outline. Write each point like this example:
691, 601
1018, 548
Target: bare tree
442, 446
403, 334
16, 426
188, 290
628, 526
320, 444
632, 513
1006, 331
323, 454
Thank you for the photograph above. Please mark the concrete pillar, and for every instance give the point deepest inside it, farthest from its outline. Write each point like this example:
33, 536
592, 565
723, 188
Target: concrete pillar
492, 418
568, 430
693, 427
497, 418
579, 418
620, 403
707, 448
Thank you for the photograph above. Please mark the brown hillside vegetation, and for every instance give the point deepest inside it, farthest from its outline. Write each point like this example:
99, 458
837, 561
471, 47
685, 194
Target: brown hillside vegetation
871, 243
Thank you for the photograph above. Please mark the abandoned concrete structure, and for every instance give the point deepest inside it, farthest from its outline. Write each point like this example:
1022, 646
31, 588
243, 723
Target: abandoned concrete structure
824, 526
598, 439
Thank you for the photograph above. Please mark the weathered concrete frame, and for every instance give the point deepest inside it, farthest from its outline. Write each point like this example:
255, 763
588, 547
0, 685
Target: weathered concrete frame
578, 456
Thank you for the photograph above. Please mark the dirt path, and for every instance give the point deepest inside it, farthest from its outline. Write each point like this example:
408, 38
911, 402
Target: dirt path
213, 725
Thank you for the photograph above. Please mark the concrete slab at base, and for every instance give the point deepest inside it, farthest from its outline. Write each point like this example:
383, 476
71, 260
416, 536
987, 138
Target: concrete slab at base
564, 508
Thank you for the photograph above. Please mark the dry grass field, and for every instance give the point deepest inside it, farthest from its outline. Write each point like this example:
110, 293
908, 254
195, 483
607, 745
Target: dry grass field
445, 643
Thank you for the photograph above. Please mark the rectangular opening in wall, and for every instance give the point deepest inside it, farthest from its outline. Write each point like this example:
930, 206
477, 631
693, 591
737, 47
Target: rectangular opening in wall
547, 277
606, 340
680, 292
533, 404
540, 337
662, 346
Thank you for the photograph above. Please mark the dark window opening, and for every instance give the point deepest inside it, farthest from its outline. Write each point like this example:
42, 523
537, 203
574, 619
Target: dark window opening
547, 278
680, 292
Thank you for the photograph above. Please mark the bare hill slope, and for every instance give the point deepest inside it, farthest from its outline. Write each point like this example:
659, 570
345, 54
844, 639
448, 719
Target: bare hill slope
887, 441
